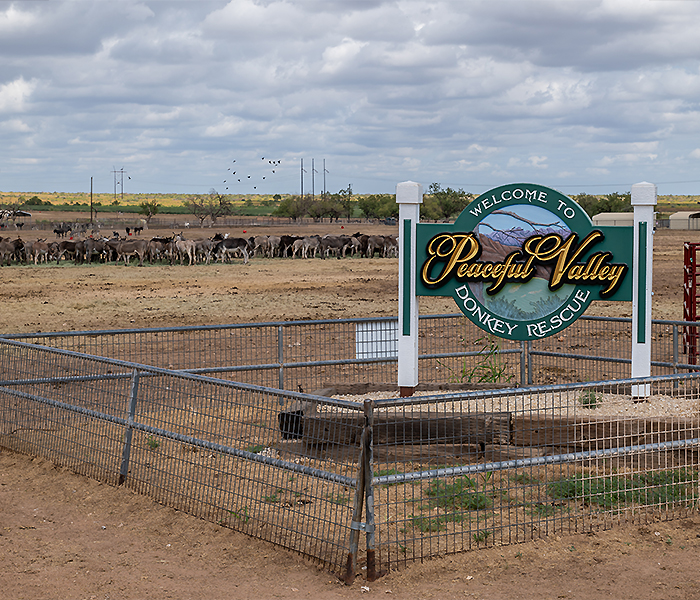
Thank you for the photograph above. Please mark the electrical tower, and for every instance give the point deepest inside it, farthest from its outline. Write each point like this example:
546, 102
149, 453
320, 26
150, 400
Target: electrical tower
118, 181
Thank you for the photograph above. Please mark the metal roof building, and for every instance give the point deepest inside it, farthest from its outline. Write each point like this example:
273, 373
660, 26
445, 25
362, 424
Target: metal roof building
685, 219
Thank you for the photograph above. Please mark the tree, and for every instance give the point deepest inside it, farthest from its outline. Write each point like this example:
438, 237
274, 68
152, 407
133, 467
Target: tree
293, 207
197, 206
149, 208
614, 202
345, 200
214, 205
449, 202
219, 205
378, 206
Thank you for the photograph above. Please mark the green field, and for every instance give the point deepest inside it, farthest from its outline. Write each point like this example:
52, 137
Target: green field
247, 204
250, 204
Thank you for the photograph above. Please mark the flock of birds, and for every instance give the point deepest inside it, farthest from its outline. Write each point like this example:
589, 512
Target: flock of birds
232, 176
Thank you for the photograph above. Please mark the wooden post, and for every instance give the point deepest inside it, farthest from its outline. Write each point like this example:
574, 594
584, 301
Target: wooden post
409, 196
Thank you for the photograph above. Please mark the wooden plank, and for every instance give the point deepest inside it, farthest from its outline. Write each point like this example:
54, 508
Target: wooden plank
590, 433
417, 428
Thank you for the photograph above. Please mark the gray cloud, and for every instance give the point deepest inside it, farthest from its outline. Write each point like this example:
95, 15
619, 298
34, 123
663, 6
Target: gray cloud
469, 94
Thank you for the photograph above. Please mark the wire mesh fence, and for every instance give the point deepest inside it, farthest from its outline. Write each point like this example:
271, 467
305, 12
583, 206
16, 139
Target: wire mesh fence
479, 469
226, 452
314, 355
419, 476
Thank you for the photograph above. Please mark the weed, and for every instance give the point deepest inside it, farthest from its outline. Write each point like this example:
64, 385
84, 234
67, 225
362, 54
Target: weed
488, 368
428, 525
523, 479
458, 495
255, 449
338, 499
542, 510
590, 399
271, 498
153, 443
241, 515
660, 487
482, 536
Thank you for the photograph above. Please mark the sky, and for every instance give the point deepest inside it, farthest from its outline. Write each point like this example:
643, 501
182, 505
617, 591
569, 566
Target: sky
578, 95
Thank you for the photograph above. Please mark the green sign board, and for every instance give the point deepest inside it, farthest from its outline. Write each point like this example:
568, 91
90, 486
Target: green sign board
523, 261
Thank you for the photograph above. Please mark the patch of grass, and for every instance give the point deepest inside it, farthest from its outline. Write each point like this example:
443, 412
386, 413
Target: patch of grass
256, 448
459, 495
432, 524
241, 515
482, 536
542, 510
338, 499
590, 399
153, 443
275, 497
658, 487
524, 479
488, 367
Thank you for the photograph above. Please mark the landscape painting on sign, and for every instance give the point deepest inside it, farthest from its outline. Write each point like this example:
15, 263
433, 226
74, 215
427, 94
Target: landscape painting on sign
505, 231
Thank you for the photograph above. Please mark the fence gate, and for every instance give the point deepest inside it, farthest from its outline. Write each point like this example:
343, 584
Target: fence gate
690, 299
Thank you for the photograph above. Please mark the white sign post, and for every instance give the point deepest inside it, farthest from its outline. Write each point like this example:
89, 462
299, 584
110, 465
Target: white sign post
409, 196
643, 201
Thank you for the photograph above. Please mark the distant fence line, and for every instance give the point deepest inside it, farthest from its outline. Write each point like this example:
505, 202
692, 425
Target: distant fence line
186, 222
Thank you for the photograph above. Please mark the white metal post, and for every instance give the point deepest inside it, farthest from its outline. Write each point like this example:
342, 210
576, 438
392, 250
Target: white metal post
409, 196
643, 201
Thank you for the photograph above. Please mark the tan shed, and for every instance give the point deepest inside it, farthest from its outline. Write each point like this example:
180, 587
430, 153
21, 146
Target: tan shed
685, 219
618, 219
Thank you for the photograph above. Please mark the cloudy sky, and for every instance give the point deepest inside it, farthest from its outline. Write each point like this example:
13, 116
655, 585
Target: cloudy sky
578, 95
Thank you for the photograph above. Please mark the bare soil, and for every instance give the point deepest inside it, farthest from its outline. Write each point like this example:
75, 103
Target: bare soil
66, 537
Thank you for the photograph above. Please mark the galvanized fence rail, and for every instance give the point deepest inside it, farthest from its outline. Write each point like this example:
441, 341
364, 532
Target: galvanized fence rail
484, 468
314, 355
417, 476
227, 452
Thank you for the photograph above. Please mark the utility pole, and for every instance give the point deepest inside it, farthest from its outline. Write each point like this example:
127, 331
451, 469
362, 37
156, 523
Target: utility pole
313, 183
302, 178
324, 178
91, 221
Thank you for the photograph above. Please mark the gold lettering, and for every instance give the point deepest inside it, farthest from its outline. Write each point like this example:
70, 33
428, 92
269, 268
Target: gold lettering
456, 255
455, 249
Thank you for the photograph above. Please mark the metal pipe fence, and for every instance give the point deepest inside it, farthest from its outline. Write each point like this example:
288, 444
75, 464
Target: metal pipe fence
215, 449
463, 471
315, 355
418, 476
373, 480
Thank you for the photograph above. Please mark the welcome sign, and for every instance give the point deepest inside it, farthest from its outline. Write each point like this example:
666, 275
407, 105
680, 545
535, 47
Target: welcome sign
523, 261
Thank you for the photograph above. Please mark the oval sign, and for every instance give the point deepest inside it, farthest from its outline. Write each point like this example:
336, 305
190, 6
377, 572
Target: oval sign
520, 262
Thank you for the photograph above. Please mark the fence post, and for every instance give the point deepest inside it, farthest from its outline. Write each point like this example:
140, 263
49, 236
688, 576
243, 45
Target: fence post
369, 492
529, 362
675, 348
126, 453
523, 363
363, 493
280, 355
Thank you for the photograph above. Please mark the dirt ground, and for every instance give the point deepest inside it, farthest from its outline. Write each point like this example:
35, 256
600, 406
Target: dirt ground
67, 537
